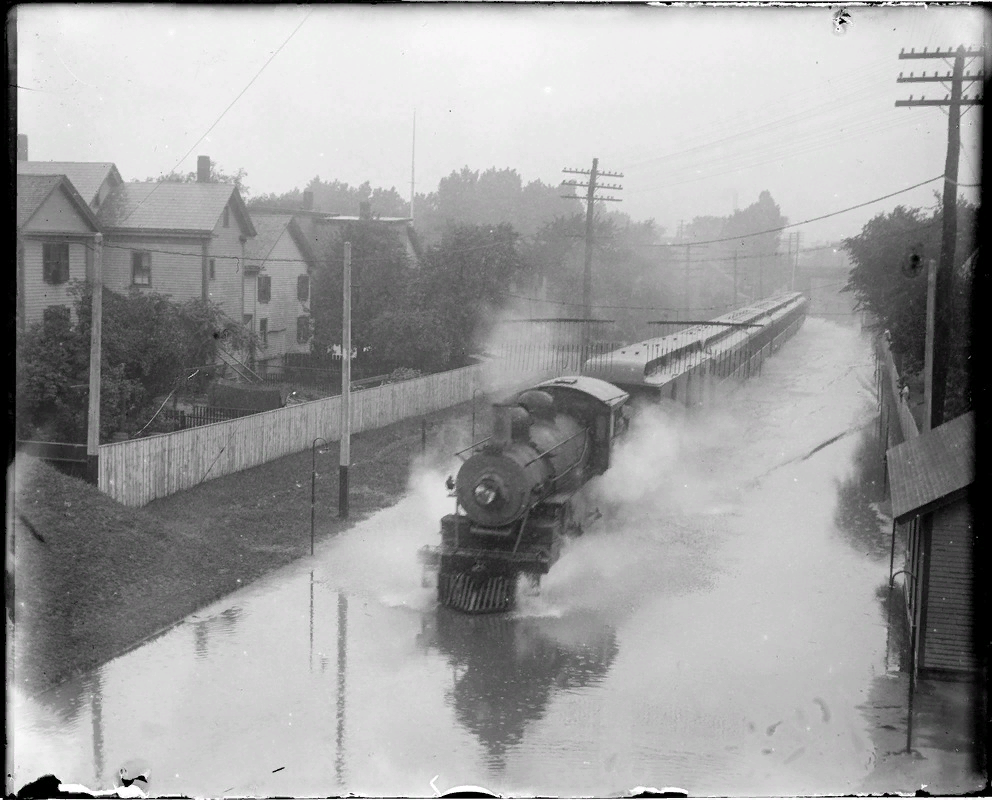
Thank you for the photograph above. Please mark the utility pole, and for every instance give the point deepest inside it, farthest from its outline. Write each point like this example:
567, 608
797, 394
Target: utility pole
735, 276
413, 163
96, 350
795, 261
945, 267
345, 460
590, 197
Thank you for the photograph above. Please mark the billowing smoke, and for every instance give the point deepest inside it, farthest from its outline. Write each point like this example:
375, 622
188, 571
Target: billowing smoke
665, 487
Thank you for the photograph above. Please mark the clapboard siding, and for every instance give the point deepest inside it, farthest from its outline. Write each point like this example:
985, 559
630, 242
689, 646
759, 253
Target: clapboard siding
38, 295
948, 636
136, 472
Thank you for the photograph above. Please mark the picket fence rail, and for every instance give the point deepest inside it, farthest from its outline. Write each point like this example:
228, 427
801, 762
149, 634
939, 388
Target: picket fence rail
137, 471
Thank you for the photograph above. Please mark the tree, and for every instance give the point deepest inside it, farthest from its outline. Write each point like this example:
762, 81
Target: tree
464, 279
216, 176
380, 273
149, 343
898, 302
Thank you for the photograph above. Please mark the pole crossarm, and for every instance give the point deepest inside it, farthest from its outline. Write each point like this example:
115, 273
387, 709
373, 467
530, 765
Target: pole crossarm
964, 101
967, 53
924, 78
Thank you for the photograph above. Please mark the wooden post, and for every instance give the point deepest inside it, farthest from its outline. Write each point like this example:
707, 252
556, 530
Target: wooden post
345, 389
96, 349
928, 353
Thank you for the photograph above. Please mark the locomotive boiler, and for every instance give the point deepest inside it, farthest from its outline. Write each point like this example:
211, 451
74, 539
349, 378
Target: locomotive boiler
518, 491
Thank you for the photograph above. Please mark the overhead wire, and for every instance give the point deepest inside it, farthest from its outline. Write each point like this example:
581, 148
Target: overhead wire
229, 107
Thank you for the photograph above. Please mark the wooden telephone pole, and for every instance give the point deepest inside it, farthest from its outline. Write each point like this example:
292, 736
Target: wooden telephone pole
945, 267
590, 197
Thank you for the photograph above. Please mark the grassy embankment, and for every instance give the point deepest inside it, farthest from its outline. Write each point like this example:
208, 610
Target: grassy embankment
94, 578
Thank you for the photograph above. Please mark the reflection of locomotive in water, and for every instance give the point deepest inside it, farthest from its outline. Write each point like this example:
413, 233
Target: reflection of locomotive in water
506, 670
517, 493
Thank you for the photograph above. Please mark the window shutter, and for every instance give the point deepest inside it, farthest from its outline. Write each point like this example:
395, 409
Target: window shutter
303, 288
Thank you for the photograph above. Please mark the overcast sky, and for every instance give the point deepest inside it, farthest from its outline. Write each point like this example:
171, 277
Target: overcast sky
695, 106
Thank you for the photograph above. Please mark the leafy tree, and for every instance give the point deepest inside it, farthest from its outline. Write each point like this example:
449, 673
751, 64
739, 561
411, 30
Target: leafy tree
898, 302
380, 273
338, 197
411, 339
465, 279
148, 342
216, 176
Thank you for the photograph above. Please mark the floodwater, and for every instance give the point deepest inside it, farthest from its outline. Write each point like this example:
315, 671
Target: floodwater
714, 630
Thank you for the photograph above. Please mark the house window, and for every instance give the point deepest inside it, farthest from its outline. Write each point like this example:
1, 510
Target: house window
247, 321
227, 217
213, 268
141, 268
263, 332
55, 257
264, 288
302, 329
303, 288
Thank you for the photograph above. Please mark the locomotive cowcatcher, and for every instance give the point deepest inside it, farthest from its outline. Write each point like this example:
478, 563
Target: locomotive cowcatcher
518, 493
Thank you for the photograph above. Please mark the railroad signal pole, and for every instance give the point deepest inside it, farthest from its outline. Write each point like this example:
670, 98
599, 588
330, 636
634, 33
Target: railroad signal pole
590, 197
945, 267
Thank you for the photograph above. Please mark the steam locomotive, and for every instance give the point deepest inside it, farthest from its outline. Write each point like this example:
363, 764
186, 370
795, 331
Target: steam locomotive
518, 492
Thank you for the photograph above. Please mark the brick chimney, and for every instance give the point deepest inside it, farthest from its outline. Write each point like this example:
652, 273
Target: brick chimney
203, 169
307, 200
365, 210
22, 147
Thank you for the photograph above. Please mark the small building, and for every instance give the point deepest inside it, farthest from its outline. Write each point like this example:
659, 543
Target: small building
55, 234
930, 479
277, 276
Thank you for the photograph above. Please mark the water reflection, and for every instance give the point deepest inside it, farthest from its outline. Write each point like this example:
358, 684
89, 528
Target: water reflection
859, 496
224, 624
506, 669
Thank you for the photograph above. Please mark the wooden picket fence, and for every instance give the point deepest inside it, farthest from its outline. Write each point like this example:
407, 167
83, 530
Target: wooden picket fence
137, 471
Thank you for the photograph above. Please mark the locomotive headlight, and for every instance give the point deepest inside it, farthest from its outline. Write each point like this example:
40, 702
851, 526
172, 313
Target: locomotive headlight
485, 493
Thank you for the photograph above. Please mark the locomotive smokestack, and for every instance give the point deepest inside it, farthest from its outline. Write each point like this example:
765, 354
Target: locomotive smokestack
502, 424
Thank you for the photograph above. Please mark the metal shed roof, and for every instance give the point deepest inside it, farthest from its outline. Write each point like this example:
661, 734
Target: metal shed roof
926, 470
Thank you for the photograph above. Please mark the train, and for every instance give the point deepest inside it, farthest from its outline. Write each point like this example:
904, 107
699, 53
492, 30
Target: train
679, 366
517, 492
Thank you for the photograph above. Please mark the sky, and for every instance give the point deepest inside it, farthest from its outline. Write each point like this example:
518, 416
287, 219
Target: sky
699, 108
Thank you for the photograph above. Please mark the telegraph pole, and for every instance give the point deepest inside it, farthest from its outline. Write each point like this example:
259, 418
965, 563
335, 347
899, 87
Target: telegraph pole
345, 451
945, 267
590, 197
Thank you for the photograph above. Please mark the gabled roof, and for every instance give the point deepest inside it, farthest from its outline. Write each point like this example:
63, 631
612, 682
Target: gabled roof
172, 207
86, 176
926, 471
34, 190
269, 229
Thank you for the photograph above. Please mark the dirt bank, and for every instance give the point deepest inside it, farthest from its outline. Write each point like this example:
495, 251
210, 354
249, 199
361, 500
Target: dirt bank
93, 578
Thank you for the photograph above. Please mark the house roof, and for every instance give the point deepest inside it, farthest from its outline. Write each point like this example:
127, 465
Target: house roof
34, 190
86, 176
927, 471
167, 207
269, 229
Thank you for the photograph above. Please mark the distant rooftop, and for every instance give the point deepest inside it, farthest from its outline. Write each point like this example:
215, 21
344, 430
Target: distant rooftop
168, 206
85, 176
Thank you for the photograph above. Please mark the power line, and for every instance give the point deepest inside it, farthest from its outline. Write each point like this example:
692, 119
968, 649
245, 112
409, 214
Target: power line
806, 221
229, 107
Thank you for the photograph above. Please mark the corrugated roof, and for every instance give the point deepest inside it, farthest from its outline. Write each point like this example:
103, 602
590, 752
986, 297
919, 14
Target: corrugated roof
170, 206
85, 176
925, 470
33, 190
